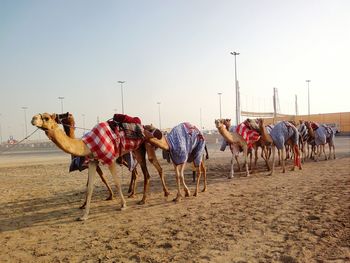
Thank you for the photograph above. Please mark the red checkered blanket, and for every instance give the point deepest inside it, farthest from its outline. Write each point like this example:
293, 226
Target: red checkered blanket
106, 145
249, 135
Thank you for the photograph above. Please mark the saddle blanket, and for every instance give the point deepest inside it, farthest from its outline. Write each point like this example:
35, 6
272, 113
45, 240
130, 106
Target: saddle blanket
186, 143
282, 132
323, 135
106, 145
249, 135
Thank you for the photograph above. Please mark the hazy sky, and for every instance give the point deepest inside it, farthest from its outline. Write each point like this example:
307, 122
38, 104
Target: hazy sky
173, 52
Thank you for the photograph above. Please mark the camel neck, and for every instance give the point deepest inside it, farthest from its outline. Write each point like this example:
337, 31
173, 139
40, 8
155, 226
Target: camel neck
160, 143
264, 134
67, 144
225, 133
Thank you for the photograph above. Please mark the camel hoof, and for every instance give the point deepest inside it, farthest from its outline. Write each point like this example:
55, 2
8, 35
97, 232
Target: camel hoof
82, 218
204, 190
109, 198
142, 202
195, 194
270, 174
230, 177
166, 194
132, 195
187, 194
82, 206
123, 207
177, 199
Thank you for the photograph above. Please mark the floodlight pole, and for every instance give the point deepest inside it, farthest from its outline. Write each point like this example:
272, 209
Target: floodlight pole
238, 106
121, 88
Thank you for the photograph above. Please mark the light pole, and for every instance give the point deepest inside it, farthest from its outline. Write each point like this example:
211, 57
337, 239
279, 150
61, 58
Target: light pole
308, 96
121, 88
160, 125
219, 93
0, 131
25, 119
61, 99
238, 106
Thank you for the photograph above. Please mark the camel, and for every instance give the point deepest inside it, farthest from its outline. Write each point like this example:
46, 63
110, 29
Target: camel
185, 144
67, 120
236, 140
281, 134
305, 141
235, 150
322, 135
94, 149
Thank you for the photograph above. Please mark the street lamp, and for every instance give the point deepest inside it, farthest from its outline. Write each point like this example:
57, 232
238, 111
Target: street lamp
61, 99
121, 88
160, 126
238, 106
0, 130
308, 96
219, 93
25, 119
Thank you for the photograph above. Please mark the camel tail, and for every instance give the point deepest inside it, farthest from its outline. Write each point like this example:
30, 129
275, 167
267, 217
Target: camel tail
206, 152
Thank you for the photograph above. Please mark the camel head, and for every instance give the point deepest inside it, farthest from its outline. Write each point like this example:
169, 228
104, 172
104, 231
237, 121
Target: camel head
152, 132
45, 121
67, 120
227, 123
260, 122
220, 122
252, 124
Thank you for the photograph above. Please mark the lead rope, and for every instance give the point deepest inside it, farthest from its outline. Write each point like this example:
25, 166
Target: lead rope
17, 143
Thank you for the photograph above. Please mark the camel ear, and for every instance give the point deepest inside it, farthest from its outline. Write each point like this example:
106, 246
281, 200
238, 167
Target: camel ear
54, 116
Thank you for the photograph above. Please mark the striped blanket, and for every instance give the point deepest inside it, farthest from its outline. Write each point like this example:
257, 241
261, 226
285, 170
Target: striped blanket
186, 144
282, 132
106, 145
249, 135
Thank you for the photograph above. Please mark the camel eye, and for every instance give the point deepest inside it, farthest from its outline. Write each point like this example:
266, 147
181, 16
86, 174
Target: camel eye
46, 118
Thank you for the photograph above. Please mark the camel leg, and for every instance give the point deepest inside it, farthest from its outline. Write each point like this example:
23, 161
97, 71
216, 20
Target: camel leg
204, 172
279, 157
255, 159
283, 151
140, 155
153, 159
132, 186
250, 153
245, 152
103, 178
113, 170
273, 152
297, 161
89, 190
182, 176
264, 151
324, 151
177, 174
232, 170
198, 170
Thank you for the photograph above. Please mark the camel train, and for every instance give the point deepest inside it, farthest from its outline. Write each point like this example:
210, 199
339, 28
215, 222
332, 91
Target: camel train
123, 135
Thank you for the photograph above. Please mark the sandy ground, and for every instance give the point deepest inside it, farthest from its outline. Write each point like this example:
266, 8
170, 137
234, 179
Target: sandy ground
301, 216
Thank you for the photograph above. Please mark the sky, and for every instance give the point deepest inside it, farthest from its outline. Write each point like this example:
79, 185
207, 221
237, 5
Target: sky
173, 52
